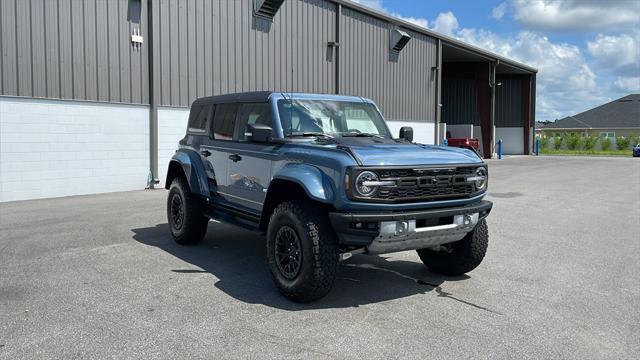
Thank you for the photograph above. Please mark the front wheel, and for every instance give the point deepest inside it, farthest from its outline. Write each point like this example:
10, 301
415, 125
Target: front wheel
302, 251
185, 214
461, 256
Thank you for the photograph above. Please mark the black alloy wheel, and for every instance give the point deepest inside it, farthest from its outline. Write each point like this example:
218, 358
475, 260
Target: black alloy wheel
288, 252
185, 214
177, 211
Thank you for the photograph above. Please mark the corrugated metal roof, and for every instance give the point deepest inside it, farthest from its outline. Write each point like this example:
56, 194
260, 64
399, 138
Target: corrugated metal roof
621, 113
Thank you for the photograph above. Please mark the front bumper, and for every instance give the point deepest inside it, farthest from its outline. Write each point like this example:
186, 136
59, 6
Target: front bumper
399, 231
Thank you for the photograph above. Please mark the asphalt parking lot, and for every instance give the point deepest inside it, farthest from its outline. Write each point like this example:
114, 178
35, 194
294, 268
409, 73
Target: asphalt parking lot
99, 277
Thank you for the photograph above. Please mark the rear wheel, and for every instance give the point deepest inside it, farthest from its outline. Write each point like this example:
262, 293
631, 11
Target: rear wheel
302, 251
461, 256
185, 214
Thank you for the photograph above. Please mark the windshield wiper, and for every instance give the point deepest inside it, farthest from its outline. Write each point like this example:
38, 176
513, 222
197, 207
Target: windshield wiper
312, 133
360, 134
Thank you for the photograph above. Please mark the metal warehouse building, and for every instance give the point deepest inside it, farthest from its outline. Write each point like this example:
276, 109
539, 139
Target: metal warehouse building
94, 94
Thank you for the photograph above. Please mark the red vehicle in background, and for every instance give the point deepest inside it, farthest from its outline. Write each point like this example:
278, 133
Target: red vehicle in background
463, 142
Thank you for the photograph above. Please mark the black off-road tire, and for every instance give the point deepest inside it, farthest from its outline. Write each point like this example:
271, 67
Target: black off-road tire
319, 251
465, 255
192, 227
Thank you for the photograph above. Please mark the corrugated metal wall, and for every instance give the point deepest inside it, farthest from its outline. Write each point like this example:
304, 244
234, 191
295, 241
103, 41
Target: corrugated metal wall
216, 47
509, 103
460, 101
71, 50
75, 49
403, 87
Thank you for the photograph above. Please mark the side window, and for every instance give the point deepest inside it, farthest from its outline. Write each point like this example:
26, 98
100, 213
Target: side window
198, 117
224, 121
252, 113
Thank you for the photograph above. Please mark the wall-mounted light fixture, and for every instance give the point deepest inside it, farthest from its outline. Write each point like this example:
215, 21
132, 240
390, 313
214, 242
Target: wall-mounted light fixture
136, 38
398, 39
266, 9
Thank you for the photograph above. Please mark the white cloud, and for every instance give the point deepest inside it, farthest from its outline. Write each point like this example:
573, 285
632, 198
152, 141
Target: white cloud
445, 23
375, 4
417, 21
565, 82
617, 54
499, 11
575, 15
627, 85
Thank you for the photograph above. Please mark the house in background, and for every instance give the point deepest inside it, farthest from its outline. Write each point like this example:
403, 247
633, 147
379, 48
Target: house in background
617, 118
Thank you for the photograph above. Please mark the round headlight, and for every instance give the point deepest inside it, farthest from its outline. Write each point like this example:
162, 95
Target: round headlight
481, 178
362, 188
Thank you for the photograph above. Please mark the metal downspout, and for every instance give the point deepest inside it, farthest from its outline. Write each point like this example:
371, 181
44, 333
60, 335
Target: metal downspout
492, 114
337, 48
438, 108
153, 107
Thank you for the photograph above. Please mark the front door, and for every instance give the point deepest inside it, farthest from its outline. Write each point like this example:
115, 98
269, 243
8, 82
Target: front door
249, 164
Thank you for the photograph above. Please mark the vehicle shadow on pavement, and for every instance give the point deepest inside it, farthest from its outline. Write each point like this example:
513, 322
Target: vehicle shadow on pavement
237, 258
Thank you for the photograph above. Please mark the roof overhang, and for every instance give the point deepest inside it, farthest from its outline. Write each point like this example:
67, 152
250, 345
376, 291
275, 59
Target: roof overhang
509, 65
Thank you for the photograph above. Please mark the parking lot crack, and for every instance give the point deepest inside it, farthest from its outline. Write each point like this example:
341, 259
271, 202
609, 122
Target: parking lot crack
437, 288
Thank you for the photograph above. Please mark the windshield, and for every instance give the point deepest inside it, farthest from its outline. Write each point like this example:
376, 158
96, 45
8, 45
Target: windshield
331, 118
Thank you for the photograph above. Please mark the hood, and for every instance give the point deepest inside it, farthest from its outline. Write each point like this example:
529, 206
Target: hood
412, 154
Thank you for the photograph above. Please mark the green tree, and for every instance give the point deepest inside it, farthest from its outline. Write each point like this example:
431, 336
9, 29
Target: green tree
622, 142
557, 142
544, 142
572, 141
589, 142
606, 144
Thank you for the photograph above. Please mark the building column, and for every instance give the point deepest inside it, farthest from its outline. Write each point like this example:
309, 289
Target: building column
485, 107
526, 113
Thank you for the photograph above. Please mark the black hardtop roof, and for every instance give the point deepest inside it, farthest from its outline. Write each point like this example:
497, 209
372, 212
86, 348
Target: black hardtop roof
251, 96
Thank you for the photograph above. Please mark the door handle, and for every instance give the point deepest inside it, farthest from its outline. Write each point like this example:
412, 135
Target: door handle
205, 152
235, 157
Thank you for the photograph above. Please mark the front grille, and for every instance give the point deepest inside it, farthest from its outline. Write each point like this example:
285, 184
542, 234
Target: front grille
424, 184
400, 173
416, 193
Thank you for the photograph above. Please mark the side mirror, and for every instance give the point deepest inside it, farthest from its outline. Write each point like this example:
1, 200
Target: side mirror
406, 133
258, 133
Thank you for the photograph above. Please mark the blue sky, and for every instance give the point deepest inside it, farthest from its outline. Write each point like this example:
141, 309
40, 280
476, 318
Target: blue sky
587, 51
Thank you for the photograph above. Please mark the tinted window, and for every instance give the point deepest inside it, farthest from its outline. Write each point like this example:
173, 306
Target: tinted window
224, 121
198, 117
253, 113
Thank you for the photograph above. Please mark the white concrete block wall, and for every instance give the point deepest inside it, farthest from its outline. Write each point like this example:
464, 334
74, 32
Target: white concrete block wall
172, 125
512, 140
423, 132
51, 148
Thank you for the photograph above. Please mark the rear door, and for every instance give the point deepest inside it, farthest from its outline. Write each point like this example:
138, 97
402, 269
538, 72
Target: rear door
216, 150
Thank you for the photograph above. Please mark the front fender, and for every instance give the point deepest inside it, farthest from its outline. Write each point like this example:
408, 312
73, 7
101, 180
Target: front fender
193, 169
314, 182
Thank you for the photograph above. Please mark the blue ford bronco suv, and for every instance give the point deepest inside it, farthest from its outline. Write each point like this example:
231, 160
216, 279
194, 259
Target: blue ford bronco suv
323, 178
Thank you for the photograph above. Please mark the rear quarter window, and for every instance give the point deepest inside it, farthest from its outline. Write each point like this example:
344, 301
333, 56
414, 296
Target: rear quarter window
198, 117
224, 121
